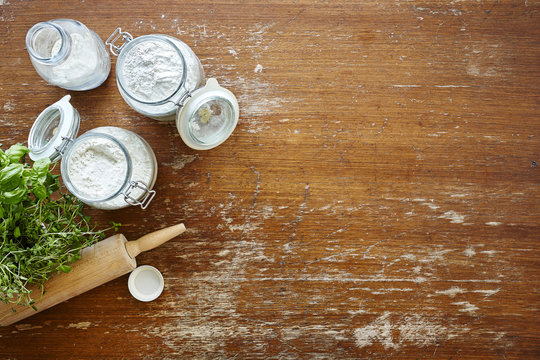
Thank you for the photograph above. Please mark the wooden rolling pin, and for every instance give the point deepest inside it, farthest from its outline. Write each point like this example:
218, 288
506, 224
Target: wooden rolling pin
99, 263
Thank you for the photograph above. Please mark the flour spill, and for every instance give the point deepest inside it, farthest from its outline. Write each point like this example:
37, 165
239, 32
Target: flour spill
454, 217
10, 104
466, 307
406, 330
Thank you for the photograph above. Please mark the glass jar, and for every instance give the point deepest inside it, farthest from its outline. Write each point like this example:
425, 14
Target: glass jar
107, 167
67, 54
160, 77
155, 73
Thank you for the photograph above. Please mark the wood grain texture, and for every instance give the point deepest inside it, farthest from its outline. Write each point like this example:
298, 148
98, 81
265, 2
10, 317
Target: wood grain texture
378, 199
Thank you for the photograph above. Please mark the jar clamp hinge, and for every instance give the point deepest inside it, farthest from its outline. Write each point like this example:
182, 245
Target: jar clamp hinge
147, 197
63, 146
118, 33
180, 101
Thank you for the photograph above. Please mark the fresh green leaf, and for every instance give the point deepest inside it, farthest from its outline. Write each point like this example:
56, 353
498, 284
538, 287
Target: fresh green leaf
16, 152
4, 160
15, 196
40, 191
115, 225
11, 176
41, 166
64, 268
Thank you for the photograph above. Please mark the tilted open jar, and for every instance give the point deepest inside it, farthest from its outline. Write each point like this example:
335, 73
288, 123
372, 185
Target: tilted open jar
107, 167
161, 77
67, 54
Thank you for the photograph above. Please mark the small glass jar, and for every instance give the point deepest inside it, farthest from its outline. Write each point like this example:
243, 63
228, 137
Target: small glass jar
67, 54
155, 73
107, 167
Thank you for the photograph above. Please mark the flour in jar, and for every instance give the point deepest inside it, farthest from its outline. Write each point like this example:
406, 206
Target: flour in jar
153, 71
97, 167
143, 164
81, 63
100, 169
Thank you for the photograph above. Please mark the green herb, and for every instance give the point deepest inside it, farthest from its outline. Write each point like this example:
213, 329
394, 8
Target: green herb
39, 236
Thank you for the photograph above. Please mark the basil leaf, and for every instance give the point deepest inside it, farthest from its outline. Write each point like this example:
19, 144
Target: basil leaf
41, 166
10, 177
15, 196
16, 152
40, 191
4, 160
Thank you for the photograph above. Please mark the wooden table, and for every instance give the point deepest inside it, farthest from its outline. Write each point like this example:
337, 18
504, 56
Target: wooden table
379, 198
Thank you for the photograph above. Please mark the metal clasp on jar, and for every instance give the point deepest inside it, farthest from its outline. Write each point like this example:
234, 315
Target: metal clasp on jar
185, 95
126, 37
147, 197
180, 97
63, 146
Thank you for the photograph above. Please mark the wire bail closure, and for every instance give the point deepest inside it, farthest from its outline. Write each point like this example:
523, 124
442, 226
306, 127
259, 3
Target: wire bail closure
118, 33
63, 146
186, 95
180, 101
147, 198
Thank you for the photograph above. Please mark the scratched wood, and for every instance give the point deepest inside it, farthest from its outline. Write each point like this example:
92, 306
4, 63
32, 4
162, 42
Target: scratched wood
378, 199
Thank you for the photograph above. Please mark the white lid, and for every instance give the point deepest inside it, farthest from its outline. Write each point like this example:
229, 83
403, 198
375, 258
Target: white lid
209, 117
145, 283
53, 129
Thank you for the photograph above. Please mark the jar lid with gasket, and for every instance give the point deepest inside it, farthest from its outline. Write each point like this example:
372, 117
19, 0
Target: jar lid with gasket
208, 117
155, 73
107, 167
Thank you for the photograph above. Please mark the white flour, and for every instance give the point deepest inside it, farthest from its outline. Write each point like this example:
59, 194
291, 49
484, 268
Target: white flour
97, 170
150, 74
81, 63
152, 70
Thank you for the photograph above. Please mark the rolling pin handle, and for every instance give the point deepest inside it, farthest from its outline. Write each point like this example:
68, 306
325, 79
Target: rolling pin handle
153, 240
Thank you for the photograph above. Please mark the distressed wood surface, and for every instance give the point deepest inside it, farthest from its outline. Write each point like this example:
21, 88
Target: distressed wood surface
378, 199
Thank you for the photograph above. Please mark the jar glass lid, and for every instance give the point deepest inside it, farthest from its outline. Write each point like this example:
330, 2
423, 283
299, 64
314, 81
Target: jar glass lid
209, 117
211, 121
53, 129
151, 69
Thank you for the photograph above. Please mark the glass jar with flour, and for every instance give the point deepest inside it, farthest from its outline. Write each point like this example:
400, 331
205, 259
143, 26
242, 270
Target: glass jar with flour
161, 77
67, 54
155, 73
107, 167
